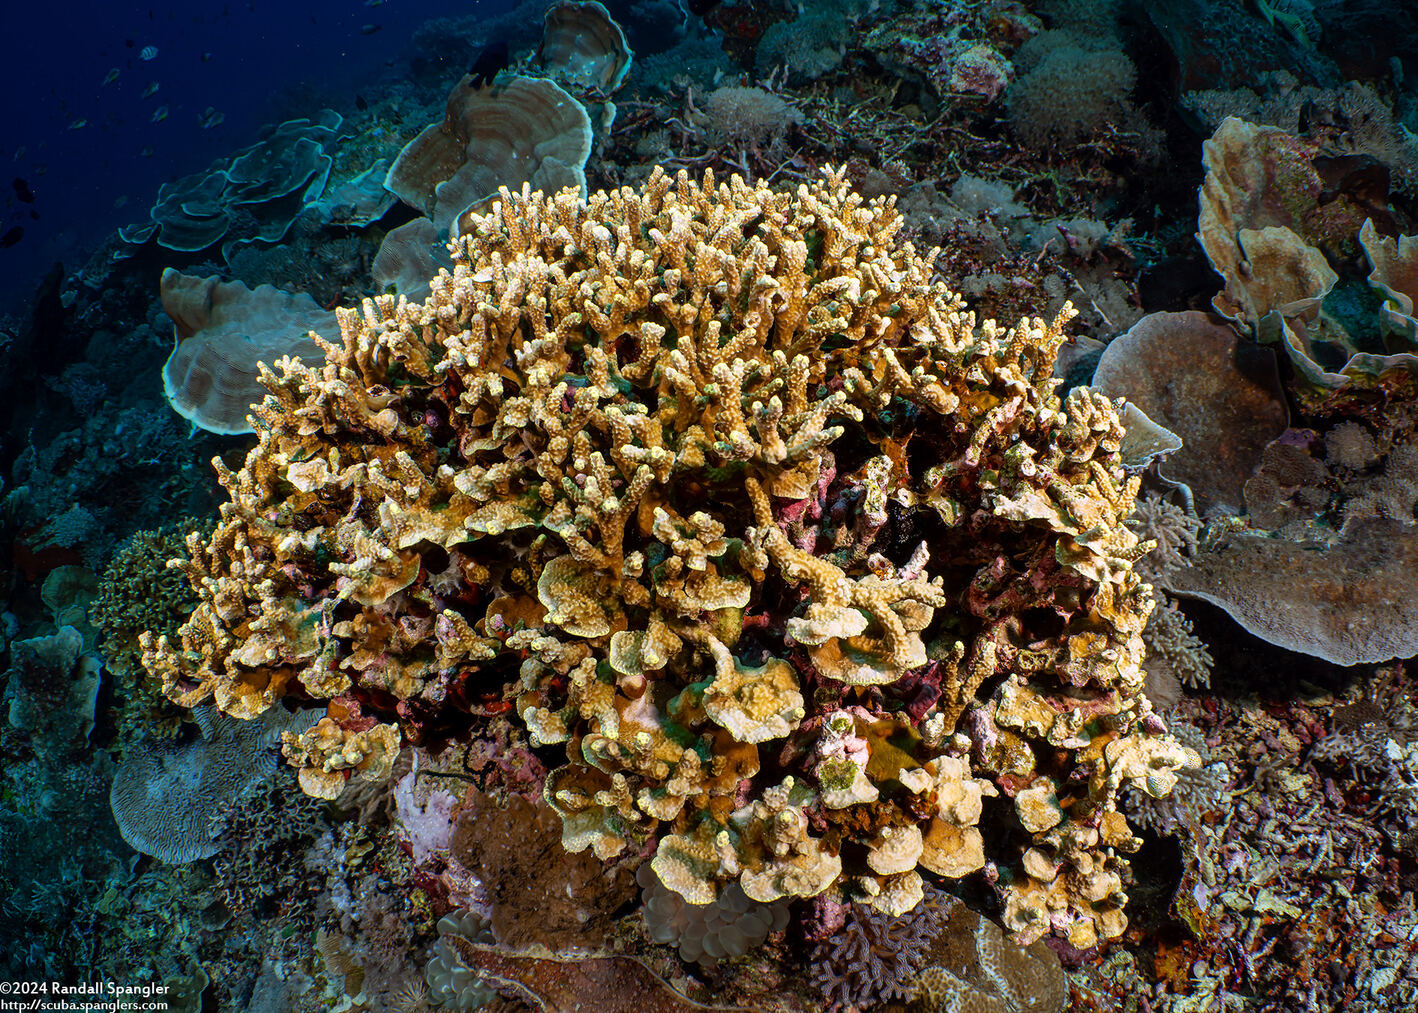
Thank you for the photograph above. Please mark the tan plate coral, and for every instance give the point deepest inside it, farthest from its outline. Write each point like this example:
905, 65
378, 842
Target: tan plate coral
583, 47
736, 506
521, 129
224, 330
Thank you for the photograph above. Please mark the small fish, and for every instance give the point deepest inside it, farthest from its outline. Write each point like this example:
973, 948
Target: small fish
360, 103
148, 53
206, 57
12, 237
19, 153
147, 152
210, 118
78, 124
151, 89
111, 76
23, 191
374, 3
491, 61
120, 200
369, 29
159, 114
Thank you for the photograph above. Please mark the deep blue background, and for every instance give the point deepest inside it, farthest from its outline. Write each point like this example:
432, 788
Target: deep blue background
268, 59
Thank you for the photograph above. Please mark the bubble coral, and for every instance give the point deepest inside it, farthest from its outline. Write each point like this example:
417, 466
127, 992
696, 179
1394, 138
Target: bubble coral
730, 926
451, 983
566, 482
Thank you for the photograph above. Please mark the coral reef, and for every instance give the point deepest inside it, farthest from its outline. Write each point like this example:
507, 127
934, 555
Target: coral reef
762, 346
661, 591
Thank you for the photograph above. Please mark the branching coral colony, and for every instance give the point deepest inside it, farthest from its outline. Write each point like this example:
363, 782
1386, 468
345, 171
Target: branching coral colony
719, 489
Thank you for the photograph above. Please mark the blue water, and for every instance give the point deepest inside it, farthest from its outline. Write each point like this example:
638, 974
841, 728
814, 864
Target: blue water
252, 60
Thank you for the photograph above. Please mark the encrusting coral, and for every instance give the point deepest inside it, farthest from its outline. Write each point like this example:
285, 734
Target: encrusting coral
721, 492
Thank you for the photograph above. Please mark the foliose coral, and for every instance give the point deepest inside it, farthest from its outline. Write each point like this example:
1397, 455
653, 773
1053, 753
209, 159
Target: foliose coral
583, 47
718, 488
223, 330
524, 128
256, 194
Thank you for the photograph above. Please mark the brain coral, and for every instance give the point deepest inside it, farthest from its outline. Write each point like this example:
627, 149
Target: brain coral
734, 504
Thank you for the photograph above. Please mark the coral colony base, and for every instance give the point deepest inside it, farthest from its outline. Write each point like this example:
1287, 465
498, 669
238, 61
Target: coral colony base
856, 507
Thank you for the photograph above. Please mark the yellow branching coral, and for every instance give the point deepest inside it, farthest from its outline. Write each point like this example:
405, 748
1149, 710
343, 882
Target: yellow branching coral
733, 503
327, 756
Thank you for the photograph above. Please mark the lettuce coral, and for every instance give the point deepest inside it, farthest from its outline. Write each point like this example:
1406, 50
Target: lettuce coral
723, 494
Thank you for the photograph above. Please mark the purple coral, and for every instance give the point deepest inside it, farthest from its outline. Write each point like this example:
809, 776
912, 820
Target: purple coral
874, 957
